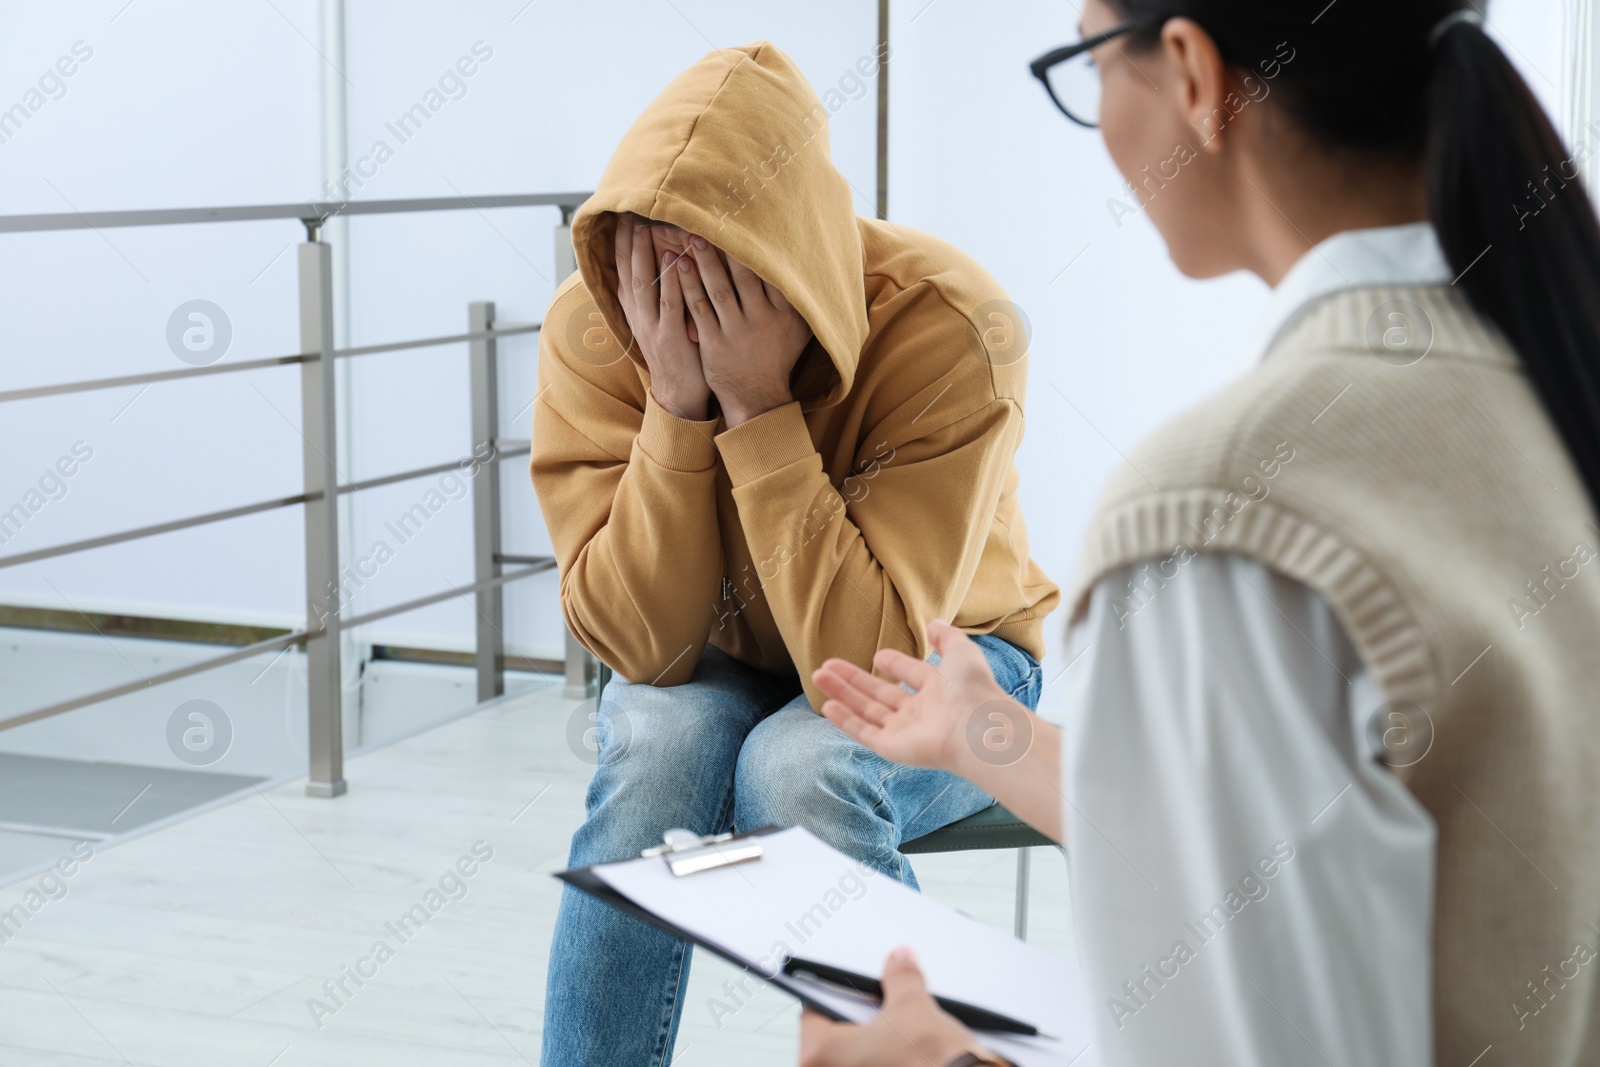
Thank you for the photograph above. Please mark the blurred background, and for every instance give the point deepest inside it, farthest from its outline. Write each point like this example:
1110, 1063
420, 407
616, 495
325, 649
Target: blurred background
184, 104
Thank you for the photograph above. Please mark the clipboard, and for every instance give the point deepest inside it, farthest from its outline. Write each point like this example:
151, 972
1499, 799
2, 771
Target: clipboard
731, 908
584, 878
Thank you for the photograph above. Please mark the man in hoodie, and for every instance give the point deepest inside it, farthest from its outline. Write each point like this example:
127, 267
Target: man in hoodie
768, 432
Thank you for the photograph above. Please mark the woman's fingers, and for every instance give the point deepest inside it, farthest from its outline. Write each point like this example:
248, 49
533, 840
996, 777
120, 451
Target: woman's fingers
719, 287
903, 668
748, 284
859, 703
846, 677
844, 669
853, 725
819, 1038
902, 978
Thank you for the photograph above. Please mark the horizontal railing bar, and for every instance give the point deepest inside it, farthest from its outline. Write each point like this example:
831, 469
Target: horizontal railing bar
143, 627
402, 654
308, 209
272, 644
151, 531
396, 346
238, 512
503, 558
423, 472
35, 392
403, 476
154, 376
434, 598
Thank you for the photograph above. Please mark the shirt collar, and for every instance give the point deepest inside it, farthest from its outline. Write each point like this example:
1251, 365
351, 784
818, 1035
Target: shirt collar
1355, 259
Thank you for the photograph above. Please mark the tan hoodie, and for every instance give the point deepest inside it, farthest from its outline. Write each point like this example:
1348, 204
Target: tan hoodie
884, 497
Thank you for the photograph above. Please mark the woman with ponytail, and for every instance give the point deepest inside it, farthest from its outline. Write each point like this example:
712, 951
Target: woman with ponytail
1329, 776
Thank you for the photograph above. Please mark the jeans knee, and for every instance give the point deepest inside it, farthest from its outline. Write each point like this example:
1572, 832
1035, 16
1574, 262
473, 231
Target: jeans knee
663, 762
648, 730
801, 777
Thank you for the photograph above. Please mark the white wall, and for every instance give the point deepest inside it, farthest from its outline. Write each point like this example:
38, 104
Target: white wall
1121, 341
189, 103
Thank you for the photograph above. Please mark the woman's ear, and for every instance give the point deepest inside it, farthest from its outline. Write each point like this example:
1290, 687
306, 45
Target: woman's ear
1202, 82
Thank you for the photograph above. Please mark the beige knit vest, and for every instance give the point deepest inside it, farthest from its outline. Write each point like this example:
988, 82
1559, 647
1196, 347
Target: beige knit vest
1428, 498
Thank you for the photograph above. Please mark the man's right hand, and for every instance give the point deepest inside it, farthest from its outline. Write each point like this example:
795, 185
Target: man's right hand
652, 301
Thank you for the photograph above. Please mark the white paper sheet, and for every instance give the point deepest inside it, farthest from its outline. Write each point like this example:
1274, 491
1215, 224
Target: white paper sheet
803, 898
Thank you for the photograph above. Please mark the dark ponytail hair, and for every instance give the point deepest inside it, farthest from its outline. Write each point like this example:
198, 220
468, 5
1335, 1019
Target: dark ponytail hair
1499, 178
1372, 78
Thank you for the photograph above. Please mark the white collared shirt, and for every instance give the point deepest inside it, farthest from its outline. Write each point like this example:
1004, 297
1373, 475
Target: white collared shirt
1251, 886
1356, 259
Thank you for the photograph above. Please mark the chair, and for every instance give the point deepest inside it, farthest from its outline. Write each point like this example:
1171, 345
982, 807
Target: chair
993, 827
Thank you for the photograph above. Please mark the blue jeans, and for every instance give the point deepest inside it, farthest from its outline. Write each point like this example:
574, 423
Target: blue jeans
732, 749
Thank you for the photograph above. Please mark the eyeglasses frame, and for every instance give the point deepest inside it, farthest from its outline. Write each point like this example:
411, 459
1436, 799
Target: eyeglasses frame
1056, 56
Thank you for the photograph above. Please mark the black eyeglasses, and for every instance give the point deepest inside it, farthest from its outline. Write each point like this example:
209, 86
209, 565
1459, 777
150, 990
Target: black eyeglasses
1069, 75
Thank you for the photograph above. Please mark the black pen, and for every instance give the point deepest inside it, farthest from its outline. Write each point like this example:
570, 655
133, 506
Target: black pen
970, 1014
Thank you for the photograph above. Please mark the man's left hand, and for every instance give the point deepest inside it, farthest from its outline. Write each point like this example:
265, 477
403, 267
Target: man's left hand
750, 335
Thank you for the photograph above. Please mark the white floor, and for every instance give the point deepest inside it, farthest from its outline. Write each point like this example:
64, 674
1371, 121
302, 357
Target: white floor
204, 943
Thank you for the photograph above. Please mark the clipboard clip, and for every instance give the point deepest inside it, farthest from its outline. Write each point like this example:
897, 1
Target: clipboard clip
686, 852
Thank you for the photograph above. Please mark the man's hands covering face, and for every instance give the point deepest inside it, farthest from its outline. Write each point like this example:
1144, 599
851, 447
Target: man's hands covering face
705, 324
652, 301
750, 336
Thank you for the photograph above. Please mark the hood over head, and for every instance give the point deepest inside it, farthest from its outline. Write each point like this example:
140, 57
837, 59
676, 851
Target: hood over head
736, 150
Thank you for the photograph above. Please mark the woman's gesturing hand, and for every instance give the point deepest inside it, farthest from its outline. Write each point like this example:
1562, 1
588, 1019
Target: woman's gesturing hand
958, 720
652, 302
750, 335
911, 1029
928, 728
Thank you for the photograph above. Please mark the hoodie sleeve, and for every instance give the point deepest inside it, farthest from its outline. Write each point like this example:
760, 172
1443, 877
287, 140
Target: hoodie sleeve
866, 565
628, 494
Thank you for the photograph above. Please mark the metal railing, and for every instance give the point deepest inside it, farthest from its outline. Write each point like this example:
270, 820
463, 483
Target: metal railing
319, 430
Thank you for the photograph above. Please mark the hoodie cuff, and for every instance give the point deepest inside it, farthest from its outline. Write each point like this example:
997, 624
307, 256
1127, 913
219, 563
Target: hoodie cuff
676, 444
766, 444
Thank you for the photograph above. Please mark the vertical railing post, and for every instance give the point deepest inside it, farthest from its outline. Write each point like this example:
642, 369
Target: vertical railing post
485, 371
1019, 917
581, 668
319, 429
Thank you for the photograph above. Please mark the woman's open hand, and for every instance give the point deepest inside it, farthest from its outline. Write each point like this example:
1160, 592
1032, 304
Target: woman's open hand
932, 727
958, 720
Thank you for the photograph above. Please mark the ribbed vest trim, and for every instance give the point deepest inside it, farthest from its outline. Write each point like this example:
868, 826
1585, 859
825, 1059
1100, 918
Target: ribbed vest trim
1390, 641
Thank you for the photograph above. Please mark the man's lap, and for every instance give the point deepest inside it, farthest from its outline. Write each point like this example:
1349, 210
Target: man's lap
797, 768
736, 748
